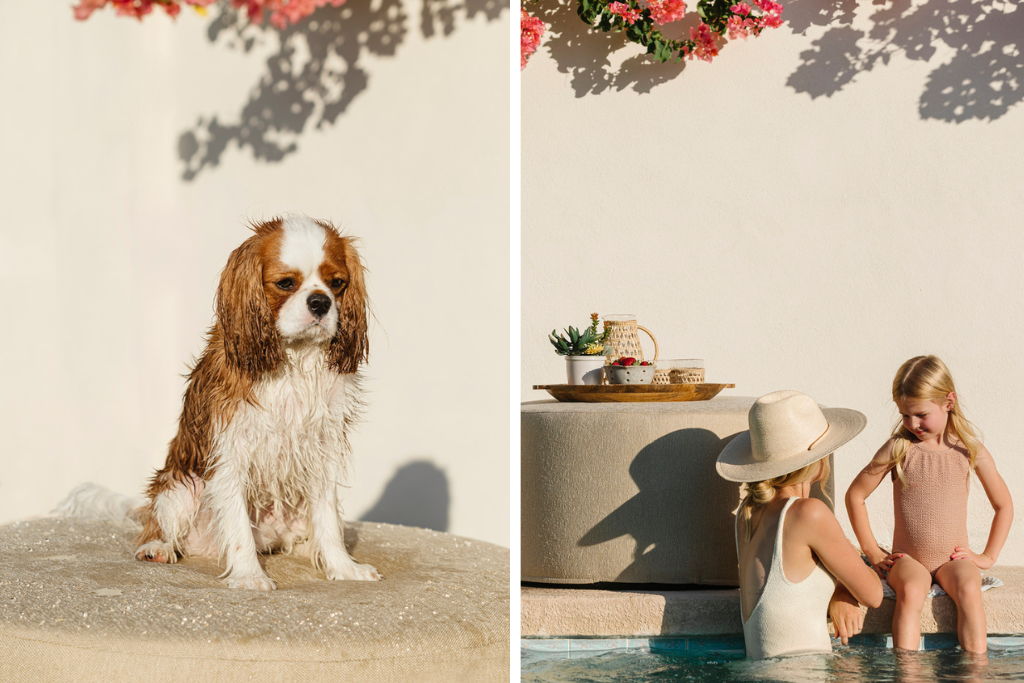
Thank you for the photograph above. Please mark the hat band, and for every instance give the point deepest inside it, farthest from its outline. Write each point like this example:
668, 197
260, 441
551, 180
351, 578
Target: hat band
827, 425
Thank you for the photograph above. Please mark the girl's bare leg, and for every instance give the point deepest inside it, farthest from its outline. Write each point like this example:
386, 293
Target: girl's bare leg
911, 581
961, 579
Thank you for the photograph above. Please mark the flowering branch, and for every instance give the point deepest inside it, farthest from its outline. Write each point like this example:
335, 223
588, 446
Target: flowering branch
718, 17
531, 29
282, 12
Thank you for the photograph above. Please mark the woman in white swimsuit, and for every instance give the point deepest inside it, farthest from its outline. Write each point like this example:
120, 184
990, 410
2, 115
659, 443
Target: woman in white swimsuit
791, 548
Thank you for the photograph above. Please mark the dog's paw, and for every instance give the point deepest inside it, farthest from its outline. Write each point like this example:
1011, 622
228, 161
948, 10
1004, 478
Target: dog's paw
353, 571
157, 551
255, 582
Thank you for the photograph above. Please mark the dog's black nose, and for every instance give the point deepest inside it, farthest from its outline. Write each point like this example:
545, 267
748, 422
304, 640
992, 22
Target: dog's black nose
318, 304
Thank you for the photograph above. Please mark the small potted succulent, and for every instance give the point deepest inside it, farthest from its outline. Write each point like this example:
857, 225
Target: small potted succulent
628, 370
584, 352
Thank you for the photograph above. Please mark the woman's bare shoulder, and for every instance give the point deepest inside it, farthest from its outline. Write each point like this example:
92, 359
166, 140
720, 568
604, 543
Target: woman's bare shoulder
811, 511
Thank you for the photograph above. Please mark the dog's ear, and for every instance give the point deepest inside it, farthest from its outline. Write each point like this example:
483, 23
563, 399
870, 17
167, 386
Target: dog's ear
350, 346
251, 341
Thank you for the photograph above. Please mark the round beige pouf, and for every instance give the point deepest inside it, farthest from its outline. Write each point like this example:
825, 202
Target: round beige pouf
628, 492
76, 606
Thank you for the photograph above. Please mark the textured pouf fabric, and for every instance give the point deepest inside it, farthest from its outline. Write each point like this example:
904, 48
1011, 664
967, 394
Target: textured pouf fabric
76, 606
628, 492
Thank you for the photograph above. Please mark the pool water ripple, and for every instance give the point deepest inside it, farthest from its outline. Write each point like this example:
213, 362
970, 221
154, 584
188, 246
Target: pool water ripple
867, 660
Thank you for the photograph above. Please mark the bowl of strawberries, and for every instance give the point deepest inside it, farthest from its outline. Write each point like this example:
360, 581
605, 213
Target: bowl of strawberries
629, 370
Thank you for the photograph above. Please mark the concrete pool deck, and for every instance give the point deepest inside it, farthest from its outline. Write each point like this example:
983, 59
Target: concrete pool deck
570, 611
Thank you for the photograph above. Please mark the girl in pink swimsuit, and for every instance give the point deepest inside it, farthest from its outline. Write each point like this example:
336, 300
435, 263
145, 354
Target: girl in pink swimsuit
930, 457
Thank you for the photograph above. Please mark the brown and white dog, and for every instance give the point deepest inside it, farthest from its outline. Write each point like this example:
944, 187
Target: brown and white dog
263, 437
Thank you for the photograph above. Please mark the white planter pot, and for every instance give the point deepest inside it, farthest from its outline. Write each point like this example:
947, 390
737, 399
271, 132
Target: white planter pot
584, 369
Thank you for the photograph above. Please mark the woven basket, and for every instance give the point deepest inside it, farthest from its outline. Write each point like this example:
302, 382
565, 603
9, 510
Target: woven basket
686, 376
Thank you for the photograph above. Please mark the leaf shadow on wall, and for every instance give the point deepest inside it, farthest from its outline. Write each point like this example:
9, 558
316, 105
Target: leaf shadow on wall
583, 53
981, 79
314, 74
416, 495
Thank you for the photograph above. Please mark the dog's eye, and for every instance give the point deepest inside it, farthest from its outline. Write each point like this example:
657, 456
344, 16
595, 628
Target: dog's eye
337, 283
286, 283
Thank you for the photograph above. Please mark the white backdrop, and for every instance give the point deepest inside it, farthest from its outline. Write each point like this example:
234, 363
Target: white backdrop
815, 207
135, 154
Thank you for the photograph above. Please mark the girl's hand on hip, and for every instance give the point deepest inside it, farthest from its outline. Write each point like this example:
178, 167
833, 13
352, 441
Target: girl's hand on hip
982, 560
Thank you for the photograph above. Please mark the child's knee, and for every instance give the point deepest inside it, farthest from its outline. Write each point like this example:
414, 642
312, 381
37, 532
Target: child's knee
962, 582
967, 593
913, 595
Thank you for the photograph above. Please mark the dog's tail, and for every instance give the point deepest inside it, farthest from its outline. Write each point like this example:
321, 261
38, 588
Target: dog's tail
92, 501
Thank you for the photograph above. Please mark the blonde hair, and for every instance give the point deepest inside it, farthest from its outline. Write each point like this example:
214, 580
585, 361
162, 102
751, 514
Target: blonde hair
759, 493
926, 378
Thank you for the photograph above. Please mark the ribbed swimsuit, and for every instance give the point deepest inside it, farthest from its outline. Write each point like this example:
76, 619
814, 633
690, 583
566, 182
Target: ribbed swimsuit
931, 514
789, 618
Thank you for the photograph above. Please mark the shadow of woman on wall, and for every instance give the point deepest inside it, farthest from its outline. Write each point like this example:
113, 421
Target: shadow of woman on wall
682, 505
980, 77
314, 73
682, 519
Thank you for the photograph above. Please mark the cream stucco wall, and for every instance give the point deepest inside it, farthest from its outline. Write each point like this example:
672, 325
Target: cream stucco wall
133, 156
807, 212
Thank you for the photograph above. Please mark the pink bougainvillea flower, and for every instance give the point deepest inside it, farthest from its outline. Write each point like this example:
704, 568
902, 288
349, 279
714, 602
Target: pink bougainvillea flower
135, 8
666, 11
740, 27
769, 6
86, 7
740, 8
772, 17
295, 11
704, 47
531, 29
284, 13
253, 9
628, 14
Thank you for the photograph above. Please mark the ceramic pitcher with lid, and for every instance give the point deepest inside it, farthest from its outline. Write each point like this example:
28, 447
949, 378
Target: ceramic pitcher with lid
624, 336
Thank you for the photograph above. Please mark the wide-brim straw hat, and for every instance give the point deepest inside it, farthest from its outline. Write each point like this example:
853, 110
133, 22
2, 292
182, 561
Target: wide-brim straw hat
788, 430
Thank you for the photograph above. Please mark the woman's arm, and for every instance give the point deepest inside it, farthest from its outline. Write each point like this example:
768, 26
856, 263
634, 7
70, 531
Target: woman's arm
999, 496
819, 528
856, 496
847, 619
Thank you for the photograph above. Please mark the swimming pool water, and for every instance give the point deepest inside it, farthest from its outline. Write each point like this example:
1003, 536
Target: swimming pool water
866, 659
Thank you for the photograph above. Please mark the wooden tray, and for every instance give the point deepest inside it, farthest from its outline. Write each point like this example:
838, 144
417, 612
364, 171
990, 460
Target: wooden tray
609, 393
